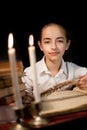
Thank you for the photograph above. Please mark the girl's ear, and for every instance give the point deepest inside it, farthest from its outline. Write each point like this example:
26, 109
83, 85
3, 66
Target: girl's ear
68, 44
39, 44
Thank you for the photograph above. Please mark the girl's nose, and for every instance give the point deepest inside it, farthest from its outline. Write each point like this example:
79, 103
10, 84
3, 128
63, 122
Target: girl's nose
53, 46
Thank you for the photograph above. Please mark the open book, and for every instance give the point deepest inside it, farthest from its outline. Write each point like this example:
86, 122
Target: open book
63, 102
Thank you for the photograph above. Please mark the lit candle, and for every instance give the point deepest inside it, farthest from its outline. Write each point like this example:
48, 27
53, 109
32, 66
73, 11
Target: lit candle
31, 50
12, 59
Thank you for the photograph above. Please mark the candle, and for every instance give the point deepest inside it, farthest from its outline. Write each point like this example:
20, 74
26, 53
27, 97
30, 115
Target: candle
31, 50
12, 59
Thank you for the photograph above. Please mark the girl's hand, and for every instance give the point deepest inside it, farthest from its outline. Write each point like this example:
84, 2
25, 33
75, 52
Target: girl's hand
82, 82
27, 98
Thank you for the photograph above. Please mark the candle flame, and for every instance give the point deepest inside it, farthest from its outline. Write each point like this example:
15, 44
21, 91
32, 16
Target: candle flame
10, 41
31, 40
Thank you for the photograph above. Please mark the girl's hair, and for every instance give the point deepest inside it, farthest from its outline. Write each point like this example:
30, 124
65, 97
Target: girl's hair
67, 34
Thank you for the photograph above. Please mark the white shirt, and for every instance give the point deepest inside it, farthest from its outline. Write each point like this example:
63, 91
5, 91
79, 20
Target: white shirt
45, 80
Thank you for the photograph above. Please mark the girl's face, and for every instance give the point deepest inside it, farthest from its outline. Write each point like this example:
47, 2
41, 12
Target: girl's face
53, 42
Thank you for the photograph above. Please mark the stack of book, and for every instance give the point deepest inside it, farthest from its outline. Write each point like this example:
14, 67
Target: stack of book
6, 89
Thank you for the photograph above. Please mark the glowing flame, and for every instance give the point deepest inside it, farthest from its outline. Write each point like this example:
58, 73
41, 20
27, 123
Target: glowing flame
31, 40
10, 41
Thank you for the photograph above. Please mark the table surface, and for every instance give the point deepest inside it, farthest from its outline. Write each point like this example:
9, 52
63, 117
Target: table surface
57, 120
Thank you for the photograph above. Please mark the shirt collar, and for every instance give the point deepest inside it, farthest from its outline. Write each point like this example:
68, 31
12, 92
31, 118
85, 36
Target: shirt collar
44, 69
64, 67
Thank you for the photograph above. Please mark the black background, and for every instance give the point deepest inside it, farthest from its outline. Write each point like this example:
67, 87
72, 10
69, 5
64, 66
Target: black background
23, 18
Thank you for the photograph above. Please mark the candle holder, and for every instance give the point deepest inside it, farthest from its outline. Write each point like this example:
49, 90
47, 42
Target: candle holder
20, 123
37, 121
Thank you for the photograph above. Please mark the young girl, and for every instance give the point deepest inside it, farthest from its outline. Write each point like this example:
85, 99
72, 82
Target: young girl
52, 69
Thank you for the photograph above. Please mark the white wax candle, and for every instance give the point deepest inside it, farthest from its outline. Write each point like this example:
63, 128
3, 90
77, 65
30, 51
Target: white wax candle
32, 55
12, 59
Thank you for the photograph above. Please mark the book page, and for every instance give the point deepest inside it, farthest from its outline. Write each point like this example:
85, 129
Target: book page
63, 102
80, 90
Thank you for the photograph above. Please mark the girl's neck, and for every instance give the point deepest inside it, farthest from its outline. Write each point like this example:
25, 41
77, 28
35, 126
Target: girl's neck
53, 67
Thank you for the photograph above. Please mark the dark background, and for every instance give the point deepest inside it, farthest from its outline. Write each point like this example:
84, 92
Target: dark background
26, 17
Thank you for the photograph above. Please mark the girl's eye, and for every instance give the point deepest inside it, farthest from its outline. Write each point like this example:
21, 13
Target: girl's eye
46, 42
60, 40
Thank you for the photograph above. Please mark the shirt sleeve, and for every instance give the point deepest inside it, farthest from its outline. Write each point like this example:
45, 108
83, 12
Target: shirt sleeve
27, 81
